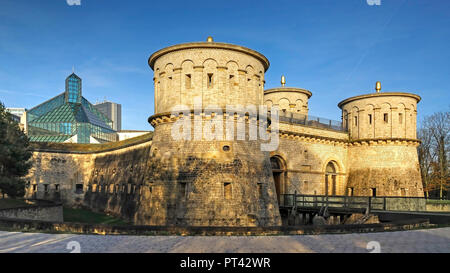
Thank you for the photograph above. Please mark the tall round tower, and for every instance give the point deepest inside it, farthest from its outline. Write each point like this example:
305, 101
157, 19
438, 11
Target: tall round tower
208, 178
382, 157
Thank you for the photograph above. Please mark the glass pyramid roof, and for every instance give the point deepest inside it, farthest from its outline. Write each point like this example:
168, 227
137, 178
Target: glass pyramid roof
71, 112
67, 115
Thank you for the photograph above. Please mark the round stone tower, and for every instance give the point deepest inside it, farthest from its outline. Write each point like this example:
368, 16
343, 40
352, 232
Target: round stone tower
288, 99
206, 177
383, 144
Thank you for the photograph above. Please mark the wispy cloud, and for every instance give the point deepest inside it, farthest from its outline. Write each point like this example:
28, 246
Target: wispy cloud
21, 93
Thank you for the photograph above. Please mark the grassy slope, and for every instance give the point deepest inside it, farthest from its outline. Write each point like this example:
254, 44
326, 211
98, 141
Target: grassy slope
89, 217
8, 203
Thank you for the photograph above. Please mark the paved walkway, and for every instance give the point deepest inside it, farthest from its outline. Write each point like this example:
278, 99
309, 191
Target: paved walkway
431, 240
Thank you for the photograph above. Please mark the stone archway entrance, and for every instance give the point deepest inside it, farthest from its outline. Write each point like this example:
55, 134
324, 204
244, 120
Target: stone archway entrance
330, 179
279, 171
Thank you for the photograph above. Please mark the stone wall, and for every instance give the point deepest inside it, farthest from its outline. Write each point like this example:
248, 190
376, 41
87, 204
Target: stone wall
218, 73
381, 115
46, 213
208, 182
58, 176
305, 164
436, 207
288, 99
391, 168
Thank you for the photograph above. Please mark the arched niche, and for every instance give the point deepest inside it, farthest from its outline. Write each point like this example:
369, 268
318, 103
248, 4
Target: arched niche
331, 186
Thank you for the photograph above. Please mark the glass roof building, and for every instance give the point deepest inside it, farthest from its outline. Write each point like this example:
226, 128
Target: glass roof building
69, 117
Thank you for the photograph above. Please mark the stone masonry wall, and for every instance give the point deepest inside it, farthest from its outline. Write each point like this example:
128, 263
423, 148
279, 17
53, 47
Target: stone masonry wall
47, 213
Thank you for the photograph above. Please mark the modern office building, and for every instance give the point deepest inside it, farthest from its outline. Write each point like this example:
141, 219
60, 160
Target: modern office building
19, 115
69, 117
112, 111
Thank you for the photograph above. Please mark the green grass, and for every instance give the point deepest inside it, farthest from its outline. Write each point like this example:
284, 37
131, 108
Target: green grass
90, 217
8, 203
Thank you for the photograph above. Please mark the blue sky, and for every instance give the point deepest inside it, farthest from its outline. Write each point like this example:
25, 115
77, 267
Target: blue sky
334, 48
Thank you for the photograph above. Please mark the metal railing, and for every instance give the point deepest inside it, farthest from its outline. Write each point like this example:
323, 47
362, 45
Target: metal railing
354, 202
311, 121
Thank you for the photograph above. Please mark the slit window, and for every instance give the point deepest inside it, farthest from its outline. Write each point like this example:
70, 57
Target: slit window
370, 118
227, 191
57, 187
356, 121
386, 118
182, 190
400, 118
188, 81
260, 190
210, 80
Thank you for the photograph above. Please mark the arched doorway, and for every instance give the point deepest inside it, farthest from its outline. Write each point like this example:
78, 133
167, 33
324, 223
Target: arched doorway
278, 170
331, 179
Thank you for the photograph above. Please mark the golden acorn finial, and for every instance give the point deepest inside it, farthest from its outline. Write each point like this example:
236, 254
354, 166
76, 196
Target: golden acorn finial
378, 87
283, 80
210, 39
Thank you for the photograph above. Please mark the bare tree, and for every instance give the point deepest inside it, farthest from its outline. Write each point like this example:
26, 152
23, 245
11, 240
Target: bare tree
438, 126
426, 158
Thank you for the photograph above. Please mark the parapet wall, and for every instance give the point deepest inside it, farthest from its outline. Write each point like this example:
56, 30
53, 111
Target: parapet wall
46, 213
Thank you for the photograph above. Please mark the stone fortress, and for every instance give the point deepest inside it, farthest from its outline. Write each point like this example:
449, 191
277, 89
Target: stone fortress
158, 180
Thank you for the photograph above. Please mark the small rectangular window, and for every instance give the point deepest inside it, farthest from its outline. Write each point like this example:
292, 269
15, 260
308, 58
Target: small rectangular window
46, 188
227, 191
386, 117
374, 192
182, 190
370, 118
400, 118
356, 121
210, 80
188, 81
56, 187
79, 188
34, 187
